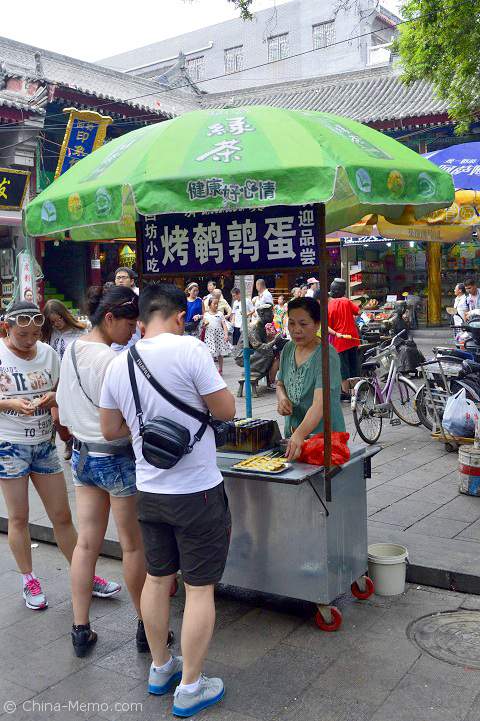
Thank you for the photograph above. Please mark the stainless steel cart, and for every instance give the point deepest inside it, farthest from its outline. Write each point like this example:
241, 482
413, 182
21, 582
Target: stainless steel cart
287, 540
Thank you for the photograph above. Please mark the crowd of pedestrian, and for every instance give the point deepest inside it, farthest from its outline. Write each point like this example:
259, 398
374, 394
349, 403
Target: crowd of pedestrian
98, 384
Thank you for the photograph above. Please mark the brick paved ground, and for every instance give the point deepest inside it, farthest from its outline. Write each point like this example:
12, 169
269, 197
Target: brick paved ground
276, 664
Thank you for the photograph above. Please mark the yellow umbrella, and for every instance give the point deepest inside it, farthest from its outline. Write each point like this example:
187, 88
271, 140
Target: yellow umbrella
450, 225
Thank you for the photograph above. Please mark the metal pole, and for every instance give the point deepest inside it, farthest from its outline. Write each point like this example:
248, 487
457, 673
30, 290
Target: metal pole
246, 349
319, 210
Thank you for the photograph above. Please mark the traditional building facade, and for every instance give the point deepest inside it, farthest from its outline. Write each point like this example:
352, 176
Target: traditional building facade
297, 40
36, 85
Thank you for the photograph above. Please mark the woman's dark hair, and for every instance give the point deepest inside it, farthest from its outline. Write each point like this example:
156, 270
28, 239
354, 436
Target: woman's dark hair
119, 300
462, 287
56, 306
309, 305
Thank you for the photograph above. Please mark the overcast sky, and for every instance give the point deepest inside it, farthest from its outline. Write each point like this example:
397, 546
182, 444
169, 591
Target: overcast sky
93, 29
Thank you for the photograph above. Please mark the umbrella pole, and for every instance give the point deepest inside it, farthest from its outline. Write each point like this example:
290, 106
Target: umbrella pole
319, 209
246, 349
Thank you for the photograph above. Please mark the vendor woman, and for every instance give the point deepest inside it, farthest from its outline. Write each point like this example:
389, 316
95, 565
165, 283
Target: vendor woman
299, 386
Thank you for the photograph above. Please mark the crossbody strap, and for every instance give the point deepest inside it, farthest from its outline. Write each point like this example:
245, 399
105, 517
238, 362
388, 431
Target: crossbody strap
134, 357
176, 402
136, 397
75, 368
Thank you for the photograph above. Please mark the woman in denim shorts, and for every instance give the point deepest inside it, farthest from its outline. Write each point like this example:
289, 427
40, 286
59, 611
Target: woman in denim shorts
29, 373
103, 472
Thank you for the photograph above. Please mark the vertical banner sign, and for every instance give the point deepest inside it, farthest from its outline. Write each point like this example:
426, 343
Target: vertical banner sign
85, 133
25, 274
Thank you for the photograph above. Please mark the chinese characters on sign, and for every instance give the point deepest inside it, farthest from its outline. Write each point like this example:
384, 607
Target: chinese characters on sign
231, 192
225, 151
246, 240
13, 186
85, 133
468, 166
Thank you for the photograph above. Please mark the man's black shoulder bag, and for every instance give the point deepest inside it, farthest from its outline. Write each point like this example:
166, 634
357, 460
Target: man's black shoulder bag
164, 441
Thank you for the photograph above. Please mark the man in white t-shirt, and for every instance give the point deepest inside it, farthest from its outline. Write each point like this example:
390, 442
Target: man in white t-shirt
237, 313
264, 296
183, 510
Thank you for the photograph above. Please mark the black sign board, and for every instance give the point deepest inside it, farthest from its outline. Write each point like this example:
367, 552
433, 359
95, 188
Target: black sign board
244, 241
13, 186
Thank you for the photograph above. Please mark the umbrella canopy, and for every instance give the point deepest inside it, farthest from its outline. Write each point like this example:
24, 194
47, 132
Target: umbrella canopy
462, 162
239, 158
448, 225
453, 224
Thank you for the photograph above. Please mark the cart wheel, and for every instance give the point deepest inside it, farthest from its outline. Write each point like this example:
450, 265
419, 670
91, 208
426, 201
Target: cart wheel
328, 618
369, 588
174, 588
451, 447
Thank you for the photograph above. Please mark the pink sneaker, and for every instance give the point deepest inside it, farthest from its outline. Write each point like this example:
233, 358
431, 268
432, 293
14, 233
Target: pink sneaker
33, 595
105, 589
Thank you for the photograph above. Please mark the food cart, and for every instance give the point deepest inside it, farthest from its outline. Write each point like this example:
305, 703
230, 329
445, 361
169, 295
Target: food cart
286, 540
253, 189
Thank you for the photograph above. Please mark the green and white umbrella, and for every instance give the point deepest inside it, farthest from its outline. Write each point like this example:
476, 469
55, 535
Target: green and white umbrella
239, 158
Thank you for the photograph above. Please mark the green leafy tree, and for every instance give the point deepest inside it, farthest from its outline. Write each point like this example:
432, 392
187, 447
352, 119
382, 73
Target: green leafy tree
439, 42
244, 7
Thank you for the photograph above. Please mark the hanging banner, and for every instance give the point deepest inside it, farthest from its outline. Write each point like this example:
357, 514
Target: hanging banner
85, 132
26, 276
250, 240
13, 186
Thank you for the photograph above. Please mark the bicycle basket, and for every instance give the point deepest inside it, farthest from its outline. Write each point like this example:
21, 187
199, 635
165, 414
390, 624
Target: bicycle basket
384, 358
449, 369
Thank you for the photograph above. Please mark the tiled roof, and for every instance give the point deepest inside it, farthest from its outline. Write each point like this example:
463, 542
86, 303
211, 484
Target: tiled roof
17, 101
36, 63
369, 96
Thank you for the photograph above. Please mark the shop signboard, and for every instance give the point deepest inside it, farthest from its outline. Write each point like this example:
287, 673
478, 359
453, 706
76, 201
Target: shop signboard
85, 133
244, 241
366, 240
13, 186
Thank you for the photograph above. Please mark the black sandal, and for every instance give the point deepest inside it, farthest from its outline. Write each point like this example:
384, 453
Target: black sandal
83, 638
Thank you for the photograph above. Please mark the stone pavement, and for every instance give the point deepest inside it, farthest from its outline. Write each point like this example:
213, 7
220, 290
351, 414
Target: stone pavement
413, 499
277, 666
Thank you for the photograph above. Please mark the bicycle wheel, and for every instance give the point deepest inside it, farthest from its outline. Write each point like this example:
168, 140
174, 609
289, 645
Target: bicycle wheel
368, 425
424, 408
403, 401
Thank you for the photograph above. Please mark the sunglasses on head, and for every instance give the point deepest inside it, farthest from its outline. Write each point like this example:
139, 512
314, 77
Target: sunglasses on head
23, 320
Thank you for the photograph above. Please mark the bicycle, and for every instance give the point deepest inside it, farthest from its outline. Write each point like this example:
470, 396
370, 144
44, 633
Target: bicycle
371, 402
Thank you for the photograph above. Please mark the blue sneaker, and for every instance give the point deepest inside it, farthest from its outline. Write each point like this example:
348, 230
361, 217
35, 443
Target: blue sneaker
159, 682
211, 691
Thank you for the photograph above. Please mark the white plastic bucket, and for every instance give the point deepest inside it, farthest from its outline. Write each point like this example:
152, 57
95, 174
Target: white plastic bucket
387, 567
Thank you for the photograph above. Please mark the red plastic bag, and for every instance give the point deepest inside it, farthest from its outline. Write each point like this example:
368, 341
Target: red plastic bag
313, 449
